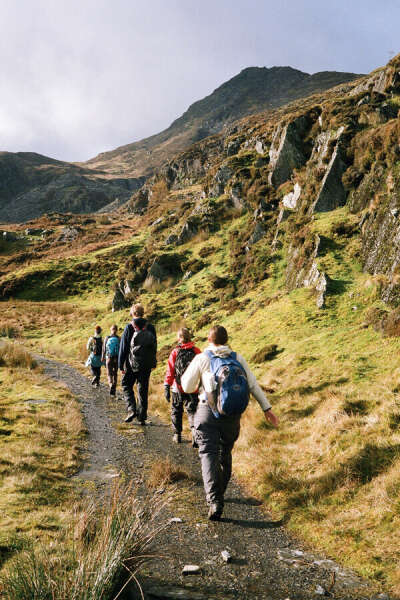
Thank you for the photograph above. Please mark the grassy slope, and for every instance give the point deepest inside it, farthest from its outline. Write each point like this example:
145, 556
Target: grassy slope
333, 466
42, 430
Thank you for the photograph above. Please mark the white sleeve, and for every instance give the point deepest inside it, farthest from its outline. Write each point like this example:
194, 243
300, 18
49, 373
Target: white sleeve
253, 385
191, 378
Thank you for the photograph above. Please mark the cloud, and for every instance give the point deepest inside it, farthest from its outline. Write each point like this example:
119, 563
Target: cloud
81, 77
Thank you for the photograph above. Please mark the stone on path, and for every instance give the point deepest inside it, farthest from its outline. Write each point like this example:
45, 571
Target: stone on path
191, 570
226, 557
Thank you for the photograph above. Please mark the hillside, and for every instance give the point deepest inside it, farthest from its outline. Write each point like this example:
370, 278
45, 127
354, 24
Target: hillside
285, 228
253, 90
32, 184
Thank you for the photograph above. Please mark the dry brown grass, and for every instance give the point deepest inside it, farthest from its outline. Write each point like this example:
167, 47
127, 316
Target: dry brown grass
14, 355
164, 472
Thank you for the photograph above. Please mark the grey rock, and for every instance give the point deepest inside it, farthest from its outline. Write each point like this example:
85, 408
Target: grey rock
118, 302
176, 520
286, 152
332, 193
258, 233
191, 570
220, 180
68, 234
188, 231
236, 196
226, 556
320, 590
171, 240
259, 147
290, 200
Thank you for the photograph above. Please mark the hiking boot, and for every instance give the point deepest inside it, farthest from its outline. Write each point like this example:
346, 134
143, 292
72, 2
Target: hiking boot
142, 423
176, 438
215, 512
130, 416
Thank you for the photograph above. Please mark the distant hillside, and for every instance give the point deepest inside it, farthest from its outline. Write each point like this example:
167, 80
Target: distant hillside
253, 90
32, 185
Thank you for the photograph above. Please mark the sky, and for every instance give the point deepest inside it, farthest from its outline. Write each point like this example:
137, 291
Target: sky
79, 77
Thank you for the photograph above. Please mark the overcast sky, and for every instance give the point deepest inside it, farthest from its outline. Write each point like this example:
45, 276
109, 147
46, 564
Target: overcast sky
79, 77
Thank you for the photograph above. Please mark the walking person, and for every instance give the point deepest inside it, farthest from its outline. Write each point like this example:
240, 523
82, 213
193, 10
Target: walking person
110, 358
226, 381
178, 361
137, 356
95, 347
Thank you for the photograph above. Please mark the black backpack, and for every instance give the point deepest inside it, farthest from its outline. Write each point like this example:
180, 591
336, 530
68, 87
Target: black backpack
97, 346
183, 360
142, 351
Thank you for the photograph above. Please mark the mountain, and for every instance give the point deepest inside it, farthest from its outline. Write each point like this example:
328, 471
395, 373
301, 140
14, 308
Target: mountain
31, 184
253, 90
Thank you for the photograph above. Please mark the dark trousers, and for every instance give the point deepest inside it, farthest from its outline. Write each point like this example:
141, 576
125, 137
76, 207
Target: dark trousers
141, 378
180, 400
112, 371
216, 438
96, 371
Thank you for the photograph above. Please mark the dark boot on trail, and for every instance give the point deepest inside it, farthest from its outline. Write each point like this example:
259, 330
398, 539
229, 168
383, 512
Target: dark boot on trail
177, 438
94, 381
215, 511
130, 416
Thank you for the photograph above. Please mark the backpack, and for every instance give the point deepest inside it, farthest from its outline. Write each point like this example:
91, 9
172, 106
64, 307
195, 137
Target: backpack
112, 346
232, 394
183, 358
97, 346
142, 351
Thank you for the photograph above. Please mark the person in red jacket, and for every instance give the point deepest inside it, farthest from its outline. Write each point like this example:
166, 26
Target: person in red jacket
178, 361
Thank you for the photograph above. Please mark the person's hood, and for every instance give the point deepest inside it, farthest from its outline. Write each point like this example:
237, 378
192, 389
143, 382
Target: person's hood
221, 351
186, 345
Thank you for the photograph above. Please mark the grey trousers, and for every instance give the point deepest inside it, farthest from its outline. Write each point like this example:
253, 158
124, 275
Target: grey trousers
216, 438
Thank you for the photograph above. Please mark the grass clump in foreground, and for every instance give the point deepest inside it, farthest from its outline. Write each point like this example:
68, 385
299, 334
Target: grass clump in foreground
96, 558
164, 472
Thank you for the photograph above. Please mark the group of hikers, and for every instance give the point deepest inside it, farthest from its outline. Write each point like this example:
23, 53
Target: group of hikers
213, 387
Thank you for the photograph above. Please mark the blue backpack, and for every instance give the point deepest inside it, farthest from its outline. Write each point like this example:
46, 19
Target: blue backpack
112, 346
232, 393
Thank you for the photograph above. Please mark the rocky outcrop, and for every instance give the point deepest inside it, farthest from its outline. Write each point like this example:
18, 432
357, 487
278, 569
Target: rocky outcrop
164, 266
332, 193
287, 150
302, 269
221, 178
119, 301
291, 199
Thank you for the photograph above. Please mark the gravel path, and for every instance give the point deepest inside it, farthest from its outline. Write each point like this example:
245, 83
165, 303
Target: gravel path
267, 563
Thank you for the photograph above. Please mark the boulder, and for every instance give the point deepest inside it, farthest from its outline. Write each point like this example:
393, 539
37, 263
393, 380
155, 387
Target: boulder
287, 152
236, 196
188, 231
332, 193
259, 147
68, 234
258, 233
119, 301
163, 267
290, 200
171, 240
221, 178
140, 201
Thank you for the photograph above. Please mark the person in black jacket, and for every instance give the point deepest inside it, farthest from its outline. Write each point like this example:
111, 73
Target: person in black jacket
137, 356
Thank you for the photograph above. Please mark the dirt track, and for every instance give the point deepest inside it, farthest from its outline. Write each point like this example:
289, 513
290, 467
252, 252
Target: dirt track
267, 563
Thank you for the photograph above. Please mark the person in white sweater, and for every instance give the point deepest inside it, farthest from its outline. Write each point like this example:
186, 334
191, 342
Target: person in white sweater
216, 435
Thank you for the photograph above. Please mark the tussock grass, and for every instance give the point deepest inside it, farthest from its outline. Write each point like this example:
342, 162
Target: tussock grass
95, 558
14, 355
164, 472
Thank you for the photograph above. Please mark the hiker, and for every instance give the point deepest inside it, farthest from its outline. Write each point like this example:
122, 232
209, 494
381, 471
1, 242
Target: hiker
178, 361
110, 358
137, 356
95, 347
226, 381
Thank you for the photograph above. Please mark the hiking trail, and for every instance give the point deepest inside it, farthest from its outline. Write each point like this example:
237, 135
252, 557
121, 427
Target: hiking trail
267, 562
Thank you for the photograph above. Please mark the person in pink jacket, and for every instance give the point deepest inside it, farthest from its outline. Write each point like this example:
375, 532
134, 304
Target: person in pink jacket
178, 361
